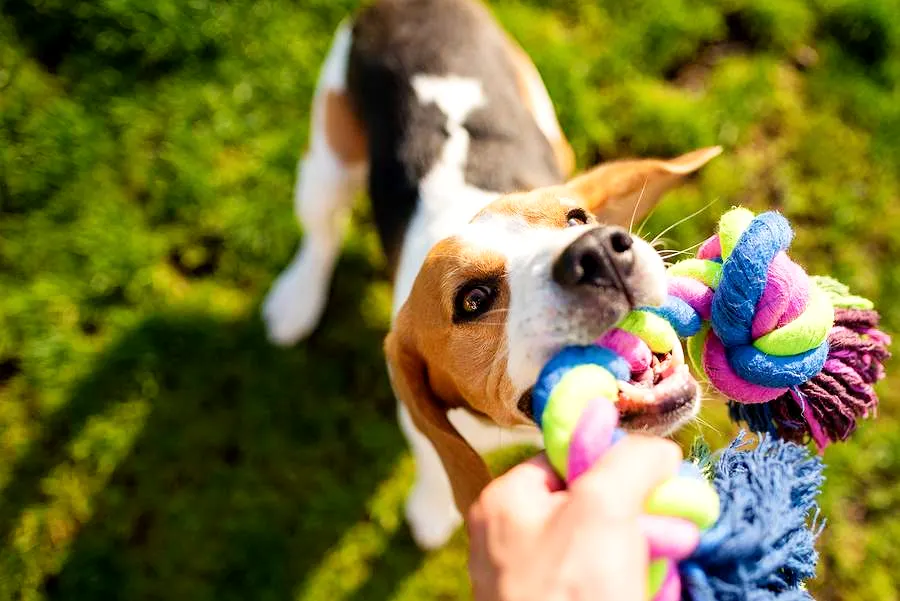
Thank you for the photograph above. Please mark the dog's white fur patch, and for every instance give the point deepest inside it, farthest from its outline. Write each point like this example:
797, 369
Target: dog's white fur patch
455, 96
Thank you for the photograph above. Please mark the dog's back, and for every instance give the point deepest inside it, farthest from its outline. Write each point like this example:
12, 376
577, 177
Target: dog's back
399, 49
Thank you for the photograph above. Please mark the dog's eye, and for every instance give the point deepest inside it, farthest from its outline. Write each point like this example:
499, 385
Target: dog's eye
576, 217
473, 300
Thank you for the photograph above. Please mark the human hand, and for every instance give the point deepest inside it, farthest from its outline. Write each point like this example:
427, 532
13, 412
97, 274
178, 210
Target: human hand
532, 540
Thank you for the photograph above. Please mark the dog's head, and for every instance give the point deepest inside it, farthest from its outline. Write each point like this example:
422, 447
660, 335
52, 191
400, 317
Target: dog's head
531, 273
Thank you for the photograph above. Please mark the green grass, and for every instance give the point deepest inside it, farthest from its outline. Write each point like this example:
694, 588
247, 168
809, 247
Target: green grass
154, 446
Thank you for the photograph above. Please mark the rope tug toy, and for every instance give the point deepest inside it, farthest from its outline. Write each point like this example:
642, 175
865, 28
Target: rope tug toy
796, 355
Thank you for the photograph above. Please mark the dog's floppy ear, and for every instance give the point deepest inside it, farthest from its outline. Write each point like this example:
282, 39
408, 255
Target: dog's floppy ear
613, 189
409, 377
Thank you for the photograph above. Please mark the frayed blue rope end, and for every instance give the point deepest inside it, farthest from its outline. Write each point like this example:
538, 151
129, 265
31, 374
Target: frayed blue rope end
762, 547
757, 416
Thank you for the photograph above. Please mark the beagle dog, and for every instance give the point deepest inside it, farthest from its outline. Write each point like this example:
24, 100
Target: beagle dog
498, 261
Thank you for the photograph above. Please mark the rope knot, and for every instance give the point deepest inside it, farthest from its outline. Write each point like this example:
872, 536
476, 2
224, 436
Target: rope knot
764, 332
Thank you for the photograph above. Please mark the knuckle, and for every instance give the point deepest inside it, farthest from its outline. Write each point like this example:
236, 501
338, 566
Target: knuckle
493, 498
600, 494
664, 452
476, 515
670, 452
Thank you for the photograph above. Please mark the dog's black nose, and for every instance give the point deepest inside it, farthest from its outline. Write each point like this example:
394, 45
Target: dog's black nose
599, 257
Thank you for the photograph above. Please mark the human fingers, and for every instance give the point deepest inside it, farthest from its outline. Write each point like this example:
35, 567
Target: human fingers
537, 472
674, 538
622, 480
482, 571
523, 495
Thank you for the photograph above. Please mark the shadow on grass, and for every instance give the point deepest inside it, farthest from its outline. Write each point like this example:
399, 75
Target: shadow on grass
101, 37
251, 463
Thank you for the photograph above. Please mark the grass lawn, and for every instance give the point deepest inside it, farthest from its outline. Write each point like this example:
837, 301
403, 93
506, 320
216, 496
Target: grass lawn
153, 445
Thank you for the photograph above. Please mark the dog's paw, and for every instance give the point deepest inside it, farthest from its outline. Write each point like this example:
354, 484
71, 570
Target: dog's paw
432, 518
294, 305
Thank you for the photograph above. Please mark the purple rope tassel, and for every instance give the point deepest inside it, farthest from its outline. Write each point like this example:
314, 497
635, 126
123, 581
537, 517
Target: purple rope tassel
828, 406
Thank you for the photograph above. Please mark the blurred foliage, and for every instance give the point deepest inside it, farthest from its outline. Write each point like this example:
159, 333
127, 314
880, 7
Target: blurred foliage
154, 446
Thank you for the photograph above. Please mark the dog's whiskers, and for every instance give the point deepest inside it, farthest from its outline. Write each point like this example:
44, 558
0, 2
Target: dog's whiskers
646, 220
680, 221
636, 205
699, 421
667, 254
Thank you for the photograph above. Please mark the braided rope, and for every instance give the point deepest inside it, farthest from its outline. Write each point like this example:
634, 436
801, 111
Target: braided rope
796, 355
574, 404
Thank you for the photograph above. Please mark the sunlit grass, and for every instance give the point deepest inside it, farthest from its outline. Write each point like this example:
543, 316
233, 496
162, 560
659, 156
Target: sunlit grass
153, 445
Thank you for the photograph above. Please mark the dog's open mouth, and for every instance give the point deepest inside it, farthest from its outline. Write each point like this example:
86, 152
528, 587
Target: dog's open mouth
659, 397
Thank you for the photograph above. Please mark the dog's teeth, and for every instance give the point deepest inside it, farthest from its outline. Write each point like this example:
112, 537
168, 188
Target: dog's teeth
668, 395
678, 355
